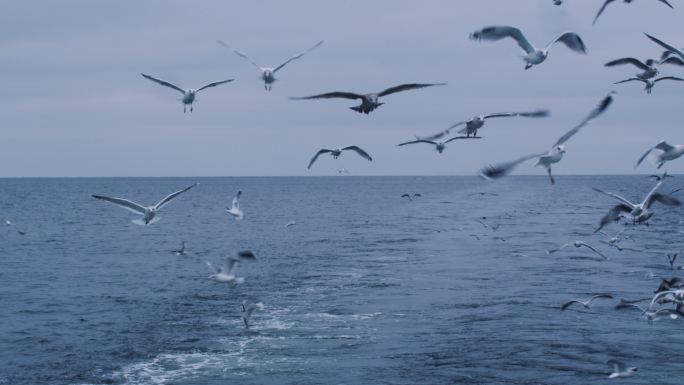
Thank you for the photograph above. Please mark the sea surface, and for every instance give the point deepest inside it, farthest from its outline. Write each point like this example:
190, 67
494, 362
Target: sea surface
366, 288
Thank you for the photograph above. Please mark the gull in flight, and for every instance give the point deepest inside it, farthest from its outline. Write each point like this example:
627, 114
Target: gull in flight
620, 369
668, 47
248, 309
189, 94
474, 124
639, 211
267, 73
614, 240
676, 296
410, 197
649, 67
234, 209
342, 171
9, 223
661, 177
586, 303
578, 244
290, 223
649, 315
149, 213
554, 155
669, 284
671, 258
226, 272
650, 83
667, 152
533, 56
338, 151
483, 194
180, 251
606, 2
369, 102
439, 146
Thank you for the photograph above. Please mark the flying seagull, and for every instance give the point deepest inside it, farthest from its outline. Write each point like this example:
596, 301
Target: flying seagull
410, 197
338, 151
586, 303
650, 83
189, 94
9, 223
615, 240
639, 211
620, 369
533, 56
474, 124
661, 177
180, 251
554, 155
226, 272
483, 194
606, 2
267, 73
248, 309
670, 48
369, 102
671, 258
234, 209
667, 153
439, 145
649, 315
149, 213
649, 67
578, 244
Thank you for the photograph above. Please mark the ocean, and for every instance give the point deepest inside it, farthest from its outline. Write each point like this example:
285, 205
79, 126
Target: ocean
366, 288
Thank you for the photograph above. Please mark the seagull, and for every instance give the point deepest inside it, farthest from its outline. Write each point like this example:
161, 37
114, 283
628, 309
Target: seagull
667, 153
554, 155
226, 273
189, 94
342, 171
650, 83
578, 244
586, 303
234, 209
439, 146
557, 2
483, 194
411, 197
649, 315
267, 73
474, 124
661, 177
677, 297
475, 236
369, 102
290, 223
671, 258
149, 213
11, 224
640, 212
619, 369
338, 151
614, 240
667, 285
649, 67
180, 251
605, 4
248, 309
669, 48
533, 56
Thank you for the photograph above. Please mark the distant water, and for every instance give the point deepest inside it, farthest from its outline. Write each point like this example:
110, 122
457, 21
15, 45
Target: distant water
366, 288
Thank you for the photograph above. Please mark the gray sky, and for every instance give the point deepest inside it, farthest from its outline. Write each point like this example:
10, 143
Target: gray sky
74, 103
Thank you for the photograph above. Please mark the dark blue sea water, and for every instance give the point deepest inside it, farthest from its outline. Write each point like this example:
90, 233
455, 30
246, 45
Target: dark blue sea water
366, 288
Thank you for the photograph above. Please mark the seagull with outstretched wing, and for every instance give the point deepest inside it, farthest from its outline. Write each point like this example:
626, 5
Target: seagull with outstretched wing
586, 303
338, 151
189, 94
578, 244
666, 153
439, 145
606, 2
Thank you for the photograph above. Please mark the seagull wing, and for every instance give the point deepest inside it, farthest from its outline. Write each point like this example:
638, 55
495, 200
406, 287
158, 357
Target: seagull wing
329, 95
456, 125
627, 60
247, 254
593, 249
560, 248
612, 195
600, 11
321, 151
164, 83
407, 87
666, 46
297, 56
613, 215
668, 78
567, 304
463, 137
125, 203
667, 200
571, 40
499, 32
666, 3
630, 80
600, 296
212, 267
230, 265
418, 141
617, 365
241, 54
495, 171
236, 200
531, 114
169, 197
663, 146
673, 60
214, 84
602, 107
658, 295
359, 151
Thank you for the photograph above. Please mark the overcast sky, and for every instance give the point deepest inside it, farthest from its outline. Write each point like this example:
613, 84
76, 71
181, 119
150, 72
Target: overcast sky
74, 103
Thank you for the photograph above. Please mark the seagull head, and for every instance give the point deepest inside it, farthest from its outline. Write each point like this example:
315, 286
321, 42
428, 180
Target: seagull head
560, 149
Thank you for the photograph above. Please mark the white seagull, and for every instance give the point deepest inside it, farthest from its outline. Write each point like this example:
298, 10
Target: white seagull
639, 211
11, 224
226, 272
369, 102
268, 73
606, 2
533, 56
649, 315
439, 145
338, 151
615, 240
620, 369
676, 296
578, 244
248, 309
234, 208
650, 83
189, 94
149, 213
667, 152
180, 251
554, 155
586, 303
474, 124
649, 67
